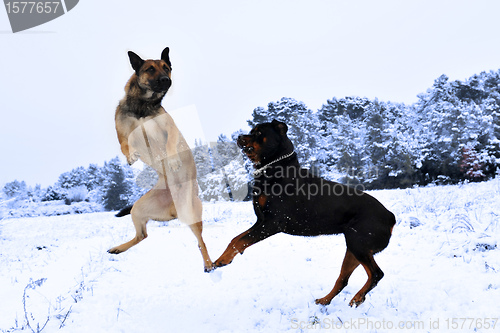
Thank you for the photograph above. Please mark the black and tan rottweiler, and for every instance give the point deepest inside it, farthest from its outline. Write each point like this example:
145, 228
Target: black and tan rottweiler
147, 132
289, 199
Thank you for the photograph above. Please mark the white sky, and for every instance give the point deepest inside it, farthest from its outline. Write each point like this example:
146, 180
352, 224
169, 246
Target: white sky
61, 81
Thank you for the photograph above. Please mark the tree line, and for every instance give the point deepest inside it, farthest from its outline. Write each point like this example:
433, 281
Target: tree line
112, 185
451, 134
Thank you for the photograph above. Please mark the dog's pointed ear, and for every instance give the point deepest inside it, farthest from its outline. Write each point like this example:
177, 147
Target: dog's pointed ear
282, 128
165, 57
135, 61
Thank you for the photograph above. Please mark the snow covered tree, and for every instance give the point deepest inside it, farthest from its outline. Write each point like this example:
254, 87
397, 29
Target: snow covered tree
224, 151
35, 193
303, 125
116, 187
16, 189
73, 178
457, 114
377, 142
53, 193
147, 178
470, 163
94, 177
350, 141
202, 158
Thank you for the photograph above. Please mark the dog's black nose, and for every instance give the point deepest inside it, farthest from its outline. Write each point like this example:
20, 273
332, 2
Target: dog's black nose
241, 141
164, 80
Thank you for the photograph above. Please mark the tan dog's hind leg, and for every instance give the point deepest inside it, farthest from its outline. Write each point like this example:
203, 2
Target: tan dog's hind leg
140, 234
154, 205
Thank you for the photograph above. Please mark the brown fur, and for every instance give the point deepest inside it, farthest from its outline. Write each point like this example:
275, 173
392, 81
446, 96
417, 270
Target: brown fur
147, 132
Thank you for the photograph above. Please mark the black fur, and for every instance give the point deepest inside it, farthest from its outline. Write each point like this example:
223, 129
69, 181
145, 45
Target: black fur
125, 211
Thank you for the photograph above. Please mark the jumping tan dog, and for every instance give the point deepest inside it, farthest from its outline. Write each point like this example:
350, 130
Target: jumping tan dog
146, 131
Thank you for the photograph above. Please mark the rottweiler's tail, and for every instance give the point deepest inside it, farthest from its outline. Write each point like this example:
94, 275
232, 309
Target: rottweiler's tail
124, 211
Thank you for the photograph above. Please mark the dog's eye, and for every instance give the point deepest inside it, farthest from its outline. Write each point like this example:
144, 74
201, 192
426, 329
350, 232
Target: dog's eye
151, 70
165, 68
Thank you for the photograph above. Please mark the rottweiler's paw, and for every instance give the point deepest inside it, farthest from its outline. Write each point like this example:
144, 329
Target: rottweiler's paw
323, 301
220, 263
356, 301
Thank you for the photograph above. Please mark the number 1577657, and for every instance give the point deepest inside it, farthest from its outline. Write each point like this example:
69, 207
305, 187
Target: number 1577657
32, 7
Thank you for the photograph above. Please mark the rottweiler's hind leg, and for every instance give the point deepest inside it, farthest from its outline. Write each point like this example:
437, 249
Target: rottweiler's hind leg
348, 266
375, 274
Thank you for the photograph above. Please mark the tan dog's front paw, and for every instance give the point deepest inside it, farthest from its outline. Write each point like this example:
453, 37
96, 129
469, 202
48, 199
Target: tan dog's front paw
115, 250
132, 158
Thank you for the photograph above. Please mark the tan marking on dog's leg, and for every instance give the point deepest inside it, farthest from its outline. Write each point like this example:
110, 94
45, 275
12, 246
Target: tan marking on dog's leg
235, 246
348, 266
375, 274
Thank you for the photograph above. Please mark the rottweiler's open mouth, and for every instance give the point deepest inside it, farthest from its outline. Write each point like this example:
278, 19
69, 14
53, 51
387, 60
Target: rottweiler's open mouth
250, 152
244, 143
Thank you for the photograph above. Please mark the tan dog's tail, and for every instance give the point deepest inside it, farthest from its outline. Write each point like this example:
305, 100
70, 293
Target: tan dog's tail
124, 211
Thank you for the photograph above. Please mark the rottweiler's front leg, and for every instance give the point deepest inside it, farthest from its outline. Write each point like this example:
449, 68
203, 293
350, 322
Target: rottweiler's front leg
239, 243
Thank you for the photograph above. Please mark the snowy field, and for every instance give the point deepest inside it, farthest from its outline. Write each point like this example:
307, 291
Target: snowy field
441, 272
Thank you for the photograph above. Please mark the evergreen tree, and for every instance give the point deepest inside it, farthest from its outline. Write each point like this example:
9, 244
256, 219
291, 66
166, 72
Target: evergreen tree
203, 159
350, 142
116, 188
224, 151
259, 115
470, 164
53, 193
73, 178
94, 177
377, 143
16, 189
303, 125
35, 193
147, 178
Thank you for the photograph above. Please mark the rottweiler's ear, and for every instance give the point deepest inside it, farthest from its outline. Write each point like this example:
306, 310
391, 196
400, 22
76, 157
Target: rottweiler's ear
164, 57
281, 127
135, 61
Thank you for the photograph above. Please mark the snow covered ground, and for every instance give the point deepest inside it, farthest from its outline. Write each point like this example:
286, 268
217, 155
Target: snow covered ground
441, 272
